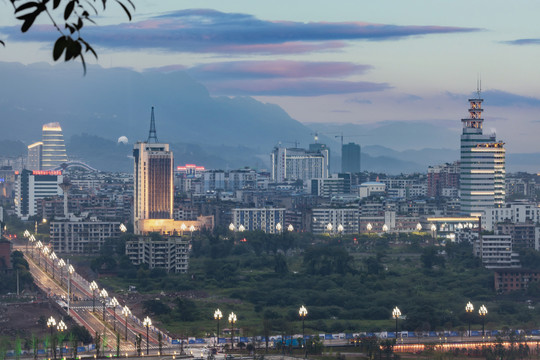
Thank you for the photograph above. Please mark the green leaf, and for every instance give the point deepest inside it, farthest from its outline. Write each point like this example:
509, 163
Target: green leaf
25, 6
59, 47
69, 9
28, 21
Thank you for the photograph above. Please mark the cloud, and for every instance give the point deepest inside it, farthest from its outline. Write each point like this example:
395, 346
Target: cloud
358, 101
523, 42
292, 87
275, 69
211, 31
407, 98
499, 98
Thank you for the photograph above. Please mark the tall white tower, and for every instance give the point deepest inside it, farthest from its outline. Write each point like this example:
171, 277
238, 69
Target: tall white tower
54, 150
482, 169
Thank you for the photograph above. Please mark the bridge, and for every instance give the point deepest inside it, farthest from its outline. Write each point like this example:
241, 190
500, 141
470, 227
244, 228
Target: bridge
76, 164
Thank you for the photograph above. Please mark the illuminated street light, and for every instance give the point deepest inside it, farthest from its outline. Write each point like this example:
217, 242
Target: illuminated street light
217, 316
232, 320
483, 312
419, 227
340, 228
61, 264
396, 313
53, 257
46, 251
192, 229
26, 234
104, 295
183, 228
147, 322
123, 228
469, 308
303, 313
93, 288
290, 228
278, 227
32, 240
329, 227
114, 303
369, 227
71, 270
51, 323
241, 228
126, 312
385, 228
61, 327
232, 227
39, 246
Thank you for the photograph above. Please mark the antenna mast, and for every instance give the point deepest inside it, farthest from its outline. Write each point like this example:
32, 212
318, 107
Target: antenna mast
152, 133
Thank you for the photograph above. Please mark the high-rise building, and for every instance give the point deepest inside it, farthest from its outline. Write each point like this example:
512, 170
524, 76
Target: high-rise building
350, 158
32, 186
299, 164
482, 169
35, 151
153, 180
54, 150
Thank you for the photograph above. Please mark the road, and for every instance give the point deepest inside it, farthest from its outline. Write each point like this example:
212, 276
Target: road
54, 282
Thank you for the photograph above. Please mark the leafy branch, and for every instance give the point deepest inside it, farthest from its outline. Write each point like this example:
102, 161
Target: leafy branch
74, 15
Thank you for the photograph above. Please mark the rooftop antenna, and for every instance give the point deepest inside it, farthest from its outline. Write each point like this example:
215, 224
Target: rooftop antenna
478, 86
152, 133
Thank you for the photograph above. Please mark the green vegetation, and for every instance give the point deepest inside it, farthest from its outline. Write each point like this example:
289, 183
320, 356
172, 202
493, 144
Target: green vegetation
348, 285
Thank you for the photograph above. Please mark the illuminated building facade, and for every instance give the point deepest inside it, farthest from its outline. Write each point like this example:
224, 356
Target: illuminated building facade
35, 151
153, 182
299, 164
32, 186
482, 169
54, 150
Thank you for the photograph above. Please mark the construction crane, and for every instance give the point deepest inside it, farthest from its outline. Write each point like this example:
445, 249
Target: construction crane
346, 136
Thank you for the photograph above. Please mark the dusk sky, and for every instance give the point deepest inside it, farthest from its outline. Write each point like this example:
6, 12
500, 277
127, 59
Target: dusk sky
344, 61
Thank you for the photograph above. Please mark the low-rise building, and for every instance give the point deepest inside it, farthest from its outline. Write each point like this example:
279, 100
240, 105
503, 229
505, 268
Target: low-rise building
170, 252
82, 237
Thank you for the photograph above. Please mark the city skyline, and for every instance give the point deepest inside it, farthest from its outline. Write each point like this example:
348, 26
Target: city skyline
343, 63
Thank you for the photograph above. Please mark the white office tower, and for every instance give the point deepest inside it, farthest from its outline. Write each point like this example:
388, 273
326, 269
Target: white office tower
54, 150
482, 169
299, 164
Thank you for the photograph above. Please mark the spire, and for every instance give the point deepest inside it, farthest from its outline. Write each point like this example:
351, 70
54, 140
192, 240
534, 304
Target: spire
152, 133
478, 87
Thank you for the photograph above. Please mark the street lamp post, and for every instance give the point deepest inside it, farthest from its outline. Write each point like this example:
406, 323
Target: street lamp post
61, 264
61, 328
217, 316
192, 229
418, 227
483, 312
303, 313
51, 323
39, 246
32, 240
114, 304
279, 227
53, 257
147, 322
290, 228
93, 288
126, 312
123, 228
469, 308
46, 251
232, 320
71, 270
104, 295
433, 232
26, 235
329, 227
183, 228
396, 313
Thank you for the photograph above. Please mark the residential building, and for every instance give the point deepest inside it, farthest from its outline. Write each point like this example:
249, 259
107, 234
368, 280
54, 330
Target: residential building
371, 188
334, 220
496, 251
508, 280
82, 236
264, 219
299, 164
170, 253
443, 180
31, 186
515, 212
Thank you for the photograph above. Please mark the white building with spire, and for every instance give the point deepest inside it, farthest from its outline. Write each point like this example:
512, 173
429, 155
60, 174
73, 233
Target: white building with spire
482, 168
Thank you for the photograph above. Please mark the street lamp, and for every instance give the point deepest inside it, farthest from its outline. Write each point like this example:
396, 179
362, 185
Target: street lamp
385, 228
192, 229
418, 227
126, 312
340, 228
183, 228
53, 257
433, 232
39, 246
71, 270
61, 327
114, 303
232, 320
61, 264
123, 228
26, 235
303, 313
51, 323
329, 227
46, 255
278, 227
32, 239
232, 227
241, 228
369, 227
217, 316
93, 288
483, 312
396, 313
469, 308
104, 295
290, 228
147, 322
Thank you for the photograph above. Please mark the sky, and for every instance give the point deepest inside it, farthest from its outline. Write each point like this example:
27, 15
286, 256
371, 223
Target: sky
341, 61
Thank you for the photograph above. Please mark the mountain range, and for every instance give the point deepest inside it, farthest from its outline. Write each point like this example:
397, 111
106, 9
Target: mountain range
216, 132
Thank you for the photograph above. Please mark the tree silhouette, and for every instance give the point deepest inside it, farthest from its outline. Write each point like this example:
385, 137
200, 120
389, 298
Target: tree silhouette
68, 17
